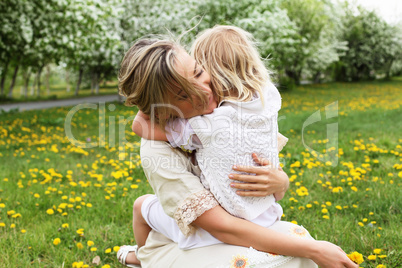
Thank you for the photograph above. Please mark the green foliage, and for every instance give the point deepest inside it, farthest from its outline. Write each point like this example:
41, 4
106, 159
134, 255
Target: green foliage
315, 40
373, 46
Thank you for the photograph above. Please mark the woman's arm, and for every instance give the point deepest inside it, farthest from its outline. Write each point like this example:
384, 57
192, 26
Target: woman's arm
266, 180
236, 231
143, 127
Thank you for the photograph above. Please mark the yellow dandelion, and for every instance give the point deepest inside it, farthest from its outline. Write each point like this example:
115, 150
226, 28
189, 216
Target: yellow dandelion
116, 248
90, 243
78, 264
10, 212
80, 245
56, 241
2, 224
377, 251
356, 257
50, 211
2, 205
371, 257
106, 266
94, 249
108, 250
12, 225
382, 256
23, 231
381, 266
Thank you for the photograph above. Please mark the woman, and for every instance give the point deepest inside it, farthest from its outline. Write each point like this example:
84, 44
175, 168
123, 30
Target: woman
153, 64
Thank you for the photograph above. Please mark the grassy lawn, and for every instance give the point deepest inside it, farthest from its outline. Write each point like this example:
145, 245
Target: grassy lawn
61, 204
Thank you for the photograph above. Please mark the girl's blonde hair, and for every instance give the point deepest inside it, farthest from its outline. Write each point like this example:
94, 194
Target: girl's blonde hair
147, 76
230, 56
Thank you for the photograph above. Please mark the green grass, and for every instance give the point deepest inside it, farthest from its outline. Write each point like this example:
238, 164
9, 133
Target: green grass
57, 92
38, 158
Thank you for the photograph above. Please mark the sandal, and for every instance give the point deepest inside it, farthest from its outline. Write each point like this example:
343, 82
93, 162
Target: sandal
122, 255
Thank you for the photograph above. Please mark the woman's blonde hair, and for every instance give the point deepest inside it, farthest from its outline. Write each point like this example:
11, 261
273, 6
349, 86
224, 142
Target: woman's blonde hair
230, 56
147, 76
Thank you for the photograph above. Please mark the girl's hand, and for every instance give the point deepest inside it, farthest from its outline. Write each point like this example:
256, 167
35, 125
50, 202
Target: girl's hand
328, 255
266, 180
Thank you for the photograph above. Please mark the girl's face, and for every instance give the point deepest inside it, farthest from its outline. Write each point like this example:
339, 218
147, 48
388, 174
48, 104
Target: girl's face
188, 67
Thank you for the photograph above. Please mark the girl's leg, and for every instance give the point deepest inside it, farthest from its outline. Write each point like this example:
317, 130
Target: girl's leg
140, 228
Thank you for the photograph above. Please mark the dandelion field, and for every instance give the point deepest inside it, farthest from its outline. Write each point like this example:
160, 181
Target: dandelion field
66, 206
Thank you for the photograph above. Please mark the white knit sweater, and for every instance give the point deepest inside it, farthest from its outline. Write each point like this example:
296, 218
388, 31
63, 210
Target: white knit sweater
229, 136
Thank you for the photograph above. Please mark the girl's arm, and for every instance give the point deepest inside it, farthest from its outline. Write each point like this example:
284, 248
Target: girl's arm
266, 180
143, 127
236, 231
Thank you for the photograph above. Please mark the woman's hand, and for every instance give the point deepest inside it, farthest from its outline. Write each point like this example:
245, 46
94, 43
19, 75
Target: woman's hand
266, 180
328, 255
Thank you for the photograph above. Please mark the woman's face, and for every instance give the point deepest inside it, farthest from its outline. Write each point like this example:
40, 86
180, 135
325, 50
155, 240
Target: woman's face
188, 67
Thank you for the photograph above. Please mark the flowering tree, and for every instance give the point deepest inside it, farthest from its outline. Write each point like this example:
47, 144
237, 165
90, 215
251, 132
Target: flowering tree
94, 45
303, 39
14, 37
373, 46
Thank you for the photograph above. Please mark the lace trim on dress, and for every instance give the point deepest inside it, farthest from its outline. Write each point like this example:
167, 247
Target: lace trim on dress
191, 208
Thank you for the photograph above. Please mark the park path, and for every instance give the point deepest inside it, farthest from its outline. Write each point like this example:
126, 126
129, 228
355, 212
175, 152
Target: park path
25, 106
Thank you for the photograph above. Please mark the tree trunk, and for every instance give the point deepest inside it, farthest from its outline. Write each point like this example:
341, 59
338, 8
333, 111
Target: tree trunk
388, 70
317, 78
33, 85
38, 80
96, 83
92, 82
3, 78
68, 86
10, 93
294, 75
47, 80
27, 76
79, 82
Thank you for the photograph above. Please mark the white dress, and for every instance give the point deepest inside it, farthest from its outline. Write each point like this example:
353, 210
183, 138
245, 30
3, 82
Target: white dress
229, 136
